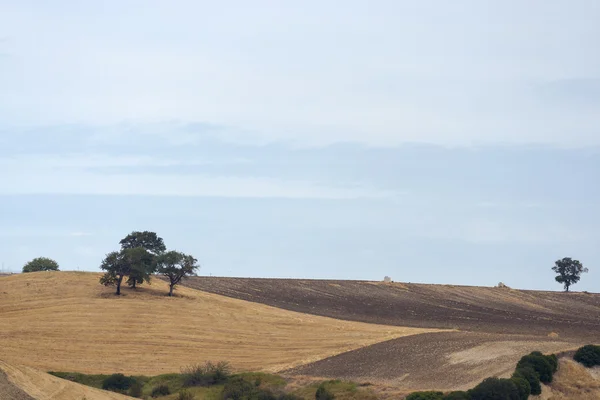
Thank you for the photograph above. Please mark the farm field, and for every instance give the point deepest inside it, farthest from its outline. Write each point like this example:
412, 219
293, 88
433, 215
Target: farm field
396, 337
67, 321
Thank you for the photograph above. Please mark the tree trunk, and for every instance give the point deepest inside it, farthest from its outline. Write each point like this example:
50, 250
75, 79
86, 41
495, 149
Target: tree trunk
567, 286
119, 285
171, 290
134, 283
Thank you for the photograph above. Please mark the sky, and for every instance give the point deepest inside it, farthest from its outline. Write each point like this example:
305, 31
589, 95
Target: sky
431, 141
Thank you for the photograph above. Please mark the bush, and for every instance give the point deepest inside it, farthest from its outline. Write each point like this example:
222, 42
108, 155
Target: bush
208, 374
40, 264
539, 364
185, 395
495, 389
135, 390
238, 388
588, 355
426, 396
532, 377
457, 396
552, 359
161, 390
118, 383
523, 387
323, 393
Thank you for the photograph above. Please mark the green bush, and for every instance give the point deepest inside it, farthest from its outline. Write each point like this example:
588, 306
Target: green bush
118, 383
40, 264
457, 396
540, 365
185, 395
426, 396
523, 387
238, 388
495, 389
552, 359
532, 377
208, 374
588, 355
323, 393
135, 390
161, 390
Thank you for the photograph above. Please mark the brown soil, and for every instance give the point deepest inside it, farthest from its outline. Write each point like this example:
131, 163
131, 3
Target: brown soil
480, 309
9, 391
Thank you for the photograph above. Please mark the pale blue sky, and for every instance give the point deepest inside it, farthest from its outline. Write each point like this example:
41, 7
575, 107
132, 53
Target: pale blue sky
432, 141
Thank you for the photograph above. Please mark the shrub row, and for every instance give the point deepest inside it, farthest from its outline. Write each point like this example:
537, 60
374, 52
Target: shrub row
532, 370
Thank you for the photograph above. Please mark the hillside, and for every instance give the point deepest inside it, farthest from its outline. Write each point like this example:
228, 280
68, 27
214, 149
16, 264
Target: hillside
467, 308
26, 383
66, 321
496, 326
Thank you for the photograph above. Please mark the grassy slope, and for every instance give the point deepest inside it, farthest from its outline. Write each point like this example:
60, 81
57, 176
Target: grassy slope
66, 321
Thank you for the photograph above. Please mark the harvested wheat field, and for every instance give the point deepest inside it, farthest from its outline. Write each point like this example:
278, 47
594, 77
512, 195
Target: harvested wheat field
573, 381
35, 384
67, 321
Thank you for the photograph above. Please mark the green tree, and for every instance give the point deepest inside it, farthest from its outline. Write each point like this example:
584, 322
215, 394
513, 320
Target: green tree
145, 267
142, 266
175, 266
120, 264
40, 264
569, 271
148, 240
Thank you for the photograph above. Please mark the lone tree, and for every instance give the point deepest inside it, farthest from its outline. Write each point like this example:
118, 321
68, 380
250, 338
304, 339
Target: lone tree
175, 265
145, 267
40, 264
120, 264
569, 271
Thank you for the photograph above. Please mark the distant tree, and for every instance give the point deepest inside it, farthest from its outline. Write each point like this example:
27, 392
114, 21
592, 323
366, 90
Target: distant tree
142, 265
40, 264
148, 240
569, 272
120, 264
175, 266
153, 245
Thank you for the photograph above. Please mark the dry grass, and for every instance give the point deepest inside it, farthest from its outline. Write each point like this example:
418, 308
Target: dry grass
42, 386
573, 381
66, 321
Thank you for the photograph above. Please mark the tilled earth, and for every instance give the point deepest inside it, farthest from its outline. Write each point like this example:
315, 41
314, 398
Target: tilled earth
479, 309
493, 327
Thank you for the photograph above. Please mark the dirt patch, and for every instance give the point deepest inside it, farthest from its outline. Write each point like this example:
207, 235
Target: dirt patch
480, 309
444, 361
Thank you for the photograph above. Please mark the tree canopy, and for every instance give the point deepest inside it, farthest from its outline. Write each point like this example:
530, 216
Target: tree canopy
119, 264
569, 271
40, 264
175, 265
146, 239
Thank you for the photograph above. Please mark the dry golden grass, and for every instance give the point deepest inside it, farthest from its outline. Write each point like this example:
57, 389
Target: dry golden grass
573, 381
67, 321
42, 386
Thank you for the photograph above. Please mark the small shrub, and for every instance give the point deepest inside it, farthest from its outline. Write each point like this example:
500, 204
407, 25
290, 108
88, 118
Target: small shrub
161, 390
238, 388
135, 390
523, 387
118, 383
323, 393
495, 389
457, 396
185, 395
532, 377
426, 396
588, 355
553, 360
208, 374
540, 364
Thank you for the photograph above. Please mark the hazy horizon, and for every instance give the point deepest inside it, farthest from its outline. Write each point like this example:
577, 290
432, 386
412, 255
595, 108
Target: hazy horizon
431, 142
